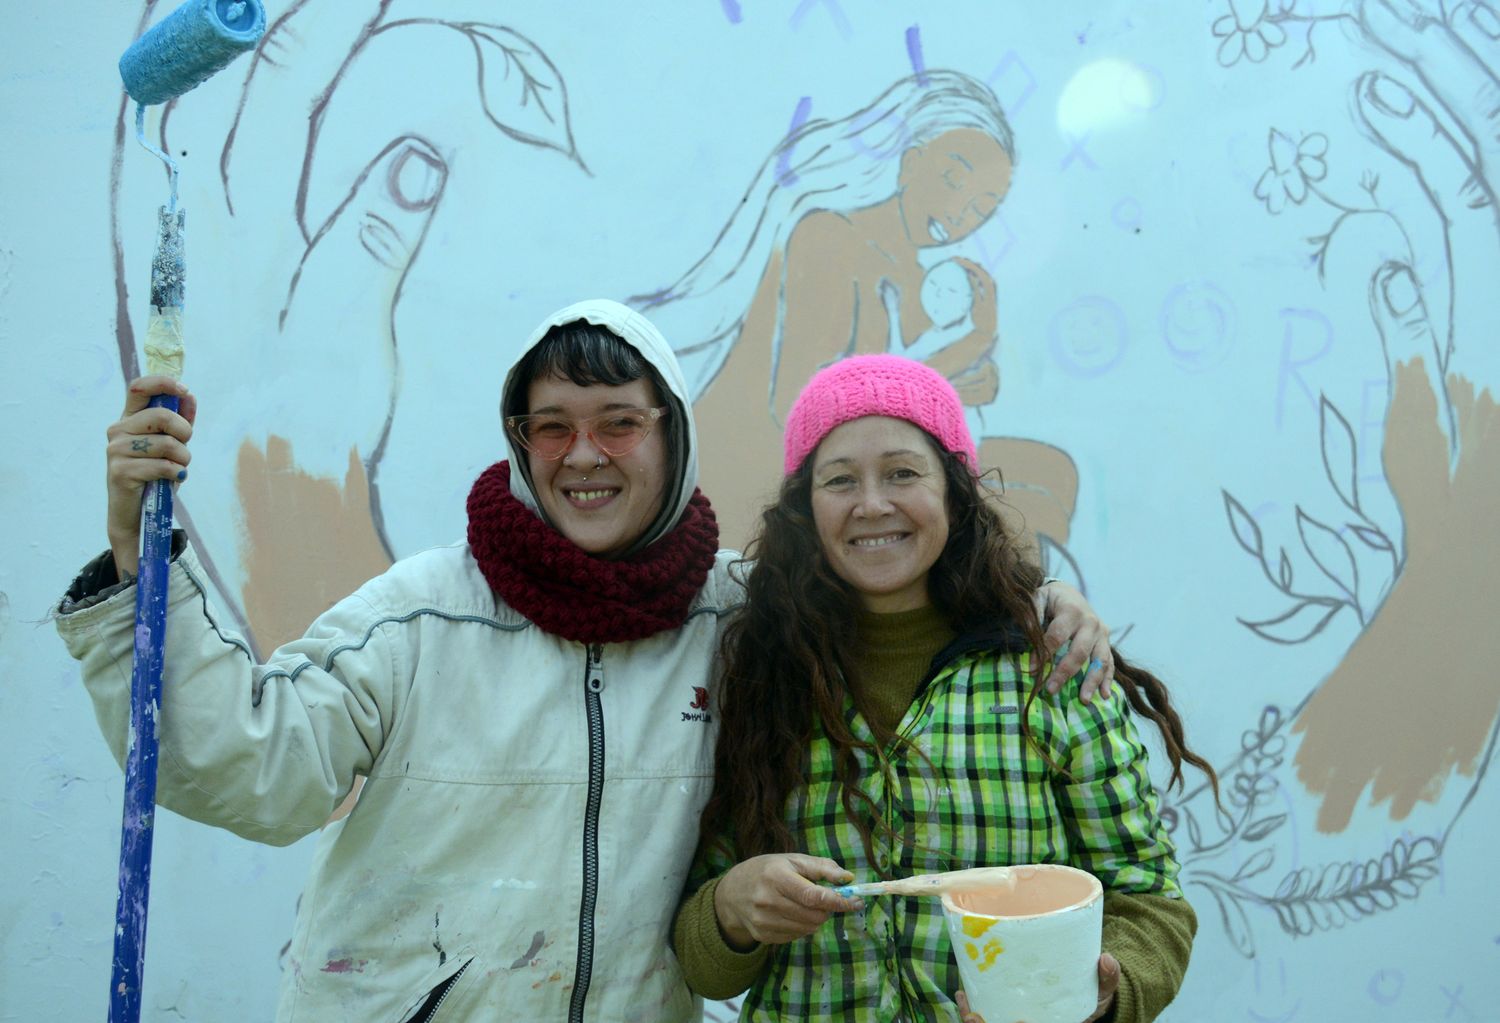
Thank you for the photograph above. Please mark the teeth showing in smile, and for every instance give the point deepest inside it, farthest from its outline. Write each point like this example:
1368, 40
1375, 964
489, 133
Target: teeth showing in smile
938, 231
876, 541
591, 495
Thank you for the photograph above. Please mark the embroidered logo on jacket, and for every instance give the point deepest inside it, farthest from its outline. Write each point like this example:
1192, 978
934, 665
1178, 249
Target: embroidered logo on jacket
698, 709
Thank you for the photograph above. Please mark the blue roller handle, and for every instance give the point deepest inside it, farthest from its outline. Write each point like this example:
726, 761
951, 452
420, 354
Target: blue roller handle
138, 825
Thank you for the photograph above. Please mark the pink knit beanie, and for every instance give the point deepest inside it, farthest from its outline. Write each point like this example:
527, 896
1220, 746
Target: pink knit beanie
877, 385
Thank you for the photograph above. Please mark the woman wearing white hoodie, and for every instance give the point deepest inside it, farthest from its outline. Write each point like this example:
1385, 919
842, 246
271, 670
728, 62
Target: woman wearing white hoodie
531, 709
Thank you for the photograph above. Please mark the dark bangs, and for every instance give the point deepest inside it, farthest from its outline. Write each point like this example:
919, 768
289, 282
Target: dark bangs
586, 354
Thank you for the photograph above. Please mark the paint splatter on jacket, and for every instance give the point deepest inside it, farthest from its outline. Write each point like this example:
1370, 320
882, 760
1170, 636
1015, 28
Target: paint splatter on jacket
465, 857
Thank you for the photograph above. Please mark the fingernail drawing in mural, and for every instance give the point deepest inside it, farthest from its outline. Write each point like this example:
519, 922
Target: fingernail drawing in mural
1411, 714
829, 254
300, 524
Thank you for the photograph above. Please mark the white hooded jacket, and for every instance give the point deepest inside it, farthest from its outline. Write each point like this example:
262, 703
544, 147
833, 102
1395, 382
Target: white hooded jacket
514, 779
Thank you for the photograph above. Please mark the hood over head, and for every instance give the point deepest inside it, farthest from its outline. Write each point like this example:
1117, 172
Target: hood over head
639, 333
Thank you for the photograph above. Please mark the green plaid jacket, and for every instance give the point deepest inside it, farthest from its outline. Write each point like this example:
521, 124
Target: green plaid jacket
982, 797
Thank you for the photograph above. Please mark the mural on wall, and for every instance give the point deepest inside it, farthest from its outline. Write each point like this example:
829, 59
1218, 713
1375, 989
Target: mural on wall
830, 253
880, 219
1420, 588
303, 524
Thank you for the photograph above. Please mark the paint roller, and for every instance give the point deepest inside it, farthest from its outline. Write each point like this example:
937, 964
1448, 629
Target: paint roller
181, 52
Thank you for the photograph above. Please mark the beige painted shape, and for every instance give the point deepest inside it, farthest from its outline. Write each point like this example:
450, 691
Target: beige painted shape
1041, 485
308, 542
1416, 696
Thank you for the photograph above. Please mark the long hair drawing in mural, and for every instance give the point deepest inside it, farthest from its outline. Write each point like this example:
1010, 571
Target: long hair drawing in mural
1411, 714
828, 254
298, 523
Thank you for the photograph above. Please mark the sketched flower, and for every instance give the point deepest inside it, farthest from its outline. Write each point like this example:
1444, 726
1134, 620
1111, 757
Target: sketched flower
1293, 166
1250, 30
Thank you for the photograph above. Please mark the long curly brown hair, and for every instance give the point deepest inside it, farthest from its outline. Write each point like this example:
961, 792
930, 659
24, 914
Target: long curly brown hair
788, 655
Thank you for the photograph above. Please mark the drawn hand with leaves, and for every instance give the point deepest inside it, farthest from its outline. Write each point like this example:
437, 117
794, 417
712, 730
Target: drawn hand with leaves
1410, 714
1432, 644
300, 242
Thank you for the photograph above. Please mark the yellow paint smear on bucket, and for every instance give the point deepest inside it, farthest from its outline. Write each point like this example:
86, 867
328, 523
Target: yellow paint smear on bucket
974, 926
991, 950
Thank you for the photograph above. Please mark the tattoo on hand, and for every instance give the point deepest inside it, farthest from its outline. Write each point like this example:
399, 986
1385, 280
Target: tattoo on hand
140, 445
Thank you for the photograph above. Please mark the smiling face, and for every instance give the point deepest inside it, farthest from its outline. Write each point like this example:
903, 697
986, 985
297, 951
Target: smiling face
609, 510
879, 501
951, 185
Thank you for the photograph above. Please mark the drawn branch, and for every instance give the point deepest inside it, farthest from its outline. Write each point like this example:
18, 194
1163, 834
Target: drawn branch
520, 89
1327, 547
1340, 463
1254, 41
1310, 900
1339, 454
538, 112
1311, 612
1249, 789
1324, 898
1331, 553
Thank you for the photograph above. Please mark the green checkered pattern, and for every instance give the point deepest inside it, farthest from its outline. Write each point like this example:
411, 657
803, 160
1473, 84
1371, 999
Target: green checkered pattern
982, 797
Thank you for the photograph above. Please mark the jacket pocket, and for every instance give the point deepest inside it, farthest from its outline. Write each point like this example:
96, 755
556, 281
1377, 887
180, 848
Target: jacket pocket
433, 1005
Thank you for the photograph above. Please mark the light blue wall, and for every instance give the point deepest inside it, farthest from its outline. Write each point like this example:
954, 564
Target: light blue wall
1215, 248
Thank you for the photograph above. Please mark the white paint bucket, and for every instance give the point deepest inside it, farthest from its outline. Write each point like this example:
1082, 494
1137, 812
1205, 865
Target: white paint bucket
1028, 948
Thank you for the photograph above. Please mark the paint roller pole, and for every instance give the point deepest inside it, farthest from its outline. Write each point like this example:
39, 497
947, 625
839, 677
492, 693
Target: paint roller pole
182, 51
164, 355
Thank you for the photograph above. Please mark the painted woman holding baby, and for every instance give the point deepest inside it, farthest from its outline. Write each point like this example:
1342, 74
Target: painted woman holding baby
831, 253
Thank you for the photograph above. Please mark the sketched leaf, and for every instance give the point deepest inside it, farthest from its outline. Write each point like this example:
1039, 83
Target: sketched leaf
1246, 531
1235, 922
1326, 915
1284, 917
1263, 827
1331, 553
1195, 834
1290, 885
1372, 538
1340, 453
1299, 919
1256, 864
1405, 887
522, 92
1298, 625
1284, 572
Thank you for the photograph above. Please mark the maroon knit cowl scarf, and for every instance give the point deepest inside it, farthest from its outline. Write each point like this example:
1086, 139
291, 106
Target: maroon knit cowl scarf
573, 594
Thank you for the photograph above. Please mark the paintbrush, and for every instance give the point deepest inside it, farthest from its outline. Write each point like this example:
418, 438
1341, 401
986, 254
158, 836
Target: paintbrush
969, 880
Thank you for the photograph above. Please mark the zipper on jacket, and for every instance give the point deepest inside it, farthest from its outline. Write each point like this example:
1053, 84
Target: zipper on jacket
438, 997
593, 682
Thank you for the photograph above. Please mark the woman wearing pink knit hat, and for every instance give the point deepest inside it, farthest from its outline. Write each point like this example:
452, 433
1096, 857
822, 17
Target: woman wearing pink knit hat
884, 714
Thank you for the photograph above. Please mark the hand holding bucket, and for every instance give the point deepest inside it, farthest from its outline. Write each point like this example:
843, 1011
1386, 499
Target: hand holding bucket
1028, 946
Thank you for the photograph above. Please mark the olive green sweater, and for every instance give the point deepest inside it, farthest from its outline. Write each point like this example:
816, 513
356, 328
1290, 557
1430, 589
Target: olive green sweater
1150, 935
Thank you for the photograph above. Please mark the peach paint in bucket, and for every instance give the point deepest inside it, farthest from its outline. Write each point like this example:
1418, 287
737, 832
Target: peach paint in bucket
1028, 946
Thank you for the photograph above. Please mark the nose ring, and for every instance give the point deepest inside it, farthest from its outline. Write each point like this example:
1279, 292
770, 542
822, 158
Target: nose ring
598, 462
